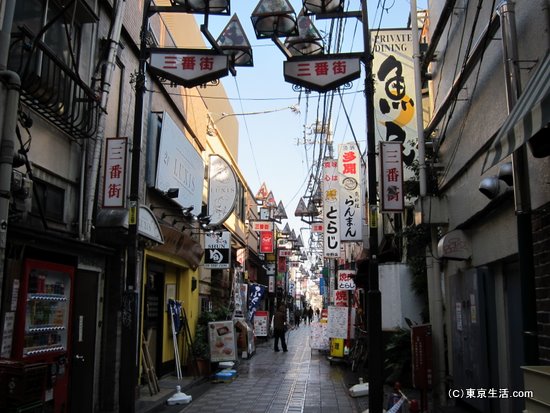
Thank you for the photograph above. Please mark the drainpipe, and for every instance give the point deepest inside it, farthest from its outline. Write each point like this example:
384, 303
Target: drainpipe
10, 85
434, 272
97, 146
522, 195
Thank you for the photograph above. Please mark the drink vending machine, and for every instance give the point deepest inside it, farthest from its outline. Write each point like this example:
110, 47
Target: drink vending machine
42, 326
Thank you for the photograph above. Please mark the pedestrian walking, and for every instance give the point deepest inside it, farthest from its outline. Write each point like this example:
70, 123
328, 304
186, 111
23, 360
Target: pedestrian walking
309, 315
279, 328
297, 317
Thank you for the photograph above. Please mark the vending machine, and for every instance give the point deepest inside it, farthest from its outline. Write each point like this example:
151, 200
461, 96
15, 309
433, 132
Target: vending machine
42, 326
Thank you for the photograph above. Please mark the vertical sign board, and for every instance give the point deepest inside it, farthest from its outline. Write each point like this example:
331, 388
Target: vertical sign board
266, 242
394, 105
217, 246
331, 213
350, 192
422, 374
114, 193
391, 177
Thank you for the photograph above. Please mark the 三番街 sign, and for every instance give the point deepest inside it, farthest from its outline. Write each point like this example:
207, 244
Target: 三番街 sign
323, 73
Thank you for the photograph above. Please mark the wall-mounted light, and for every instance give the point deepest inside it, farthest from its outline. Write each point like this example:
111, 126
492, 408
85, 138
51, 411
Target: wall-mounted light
506, 173
171, 193
489, 186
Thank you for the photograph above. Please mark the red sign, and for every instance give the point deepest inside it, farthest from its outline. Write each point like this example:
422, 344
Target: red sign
266, 242
322, 73
422, 373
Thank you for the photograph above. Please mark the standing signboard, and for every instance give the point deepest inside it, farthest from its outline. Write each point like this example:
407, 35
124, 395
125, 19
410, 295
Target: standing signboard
223, 345
260, 323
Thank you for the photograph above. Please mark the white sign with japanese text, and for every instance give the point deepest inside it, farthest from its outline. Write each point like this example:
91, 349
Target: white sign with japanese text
188, 68
345, 280
114, 192
391, 177
349, 166
331, 213
323, 73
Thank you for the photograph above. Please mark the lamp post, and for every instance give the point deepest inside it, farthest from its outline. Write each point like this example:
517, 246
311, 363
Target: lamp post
333, 9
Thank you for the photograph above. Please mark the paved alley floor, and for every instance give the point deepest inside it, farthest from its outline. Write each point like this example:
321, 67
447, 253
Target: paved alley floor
300, 380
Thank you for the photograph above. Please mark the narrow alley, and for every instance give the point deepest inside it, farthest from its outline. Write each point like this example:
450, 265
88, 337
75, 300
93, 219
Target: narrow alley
300, 380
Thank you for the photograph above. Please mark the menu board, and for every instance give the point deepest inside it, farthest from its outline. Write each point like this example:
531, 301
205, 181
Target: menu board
260, 323
223, 344
319, 339
338, 322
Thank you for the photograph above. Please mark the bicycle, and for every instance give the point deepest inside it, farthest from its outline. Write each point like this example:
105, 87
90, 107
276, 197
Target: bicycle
359, 352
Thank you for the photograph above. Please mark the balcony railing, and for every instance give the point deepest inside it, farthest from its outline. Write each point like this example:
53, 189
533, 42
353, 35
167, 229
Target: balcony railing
52, 88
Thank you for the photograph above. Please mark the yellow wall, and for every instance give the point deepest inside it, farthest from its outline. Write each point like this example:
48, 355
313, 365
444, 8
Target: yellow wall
177, 272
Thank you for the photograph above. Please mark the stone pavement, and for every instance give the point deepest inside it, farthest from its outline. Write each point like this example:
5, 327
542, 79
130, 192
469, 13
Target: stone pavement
299, 381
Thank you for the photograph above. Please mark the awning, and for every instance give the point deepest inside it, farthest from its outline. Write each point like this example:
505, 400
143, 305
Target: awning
530, 114
115, 219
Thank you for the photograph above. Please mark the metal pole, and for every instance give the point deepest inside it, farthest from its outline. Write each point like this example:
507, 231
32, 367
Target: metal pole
374, 300
130, 339
521, 190
10, 85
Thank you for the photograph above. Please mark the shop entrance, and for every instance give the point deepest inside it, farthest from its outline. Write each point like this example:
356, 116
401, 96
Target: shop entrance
84, 332
153, 315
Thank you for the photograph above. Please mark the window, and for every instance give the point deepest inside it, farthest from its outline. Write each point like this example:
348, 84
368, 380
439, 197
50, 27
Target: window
63, 36
51, 198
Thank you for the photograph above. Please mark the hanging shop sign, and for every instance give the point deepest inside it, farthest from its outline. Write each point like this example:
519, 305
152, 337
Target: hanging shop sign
188, 67
394, 90
391, 177
454, 245
260, 226
266, 242
222, 190
345, 280
331, 206
350, 192
114, 190
217, 246
179, 165
323, 73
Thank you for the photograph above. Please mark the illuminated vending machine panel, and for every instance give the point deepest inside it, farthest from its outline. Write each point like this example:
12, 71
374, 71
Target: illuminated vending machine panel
45, 303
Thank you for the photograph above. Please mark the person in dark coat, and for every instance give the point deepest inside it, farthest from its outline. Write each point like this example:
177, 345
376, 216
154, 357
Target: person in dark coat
279, 328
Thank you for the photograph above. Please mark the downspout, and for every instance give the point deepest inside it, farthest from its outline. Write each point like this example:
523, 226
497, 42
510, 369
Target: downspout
522, 194
110, 66
10, 85
435, 295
